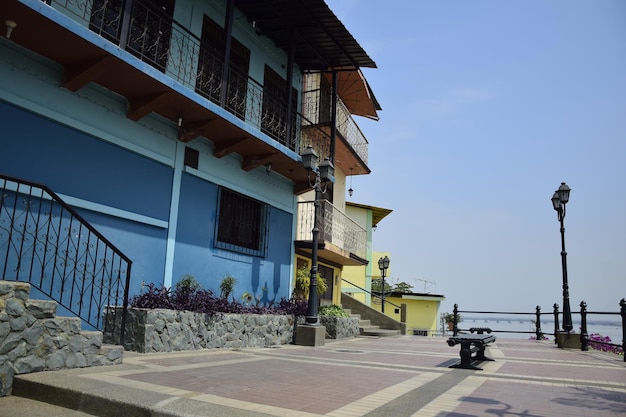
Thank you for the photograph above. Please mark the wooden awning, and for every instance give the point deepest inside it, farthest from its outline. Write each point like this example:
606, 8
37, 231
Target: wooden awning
356, 93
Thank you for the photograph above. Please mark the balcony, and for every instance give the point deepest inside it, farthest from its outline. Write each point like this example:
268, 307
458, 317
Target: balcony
341, 239
159, 67
351, 146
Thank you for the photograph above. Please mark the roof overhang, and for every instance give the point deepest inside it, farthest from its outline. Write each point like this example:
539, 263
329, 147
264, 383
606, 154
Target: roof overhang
320, 40
414, 296
378, 213
355, 93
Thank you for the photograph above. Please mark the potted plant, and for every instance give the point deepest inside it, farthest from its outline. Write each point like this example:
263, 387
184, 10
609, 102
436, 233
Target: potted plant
303, 280
449, 319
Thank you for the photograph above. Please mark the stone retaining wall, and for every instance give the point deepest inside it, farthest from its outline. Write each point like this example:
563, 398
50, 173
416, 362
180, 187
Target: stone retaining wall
160, 330
33, 339
340, 327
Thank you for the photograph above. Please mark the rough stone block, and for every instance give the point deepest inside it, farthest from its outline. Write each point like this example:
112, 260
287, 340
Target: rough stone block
56, 360
32, 334
75, 360
6, 379
42, 309
113, 354
29, 364
14, 307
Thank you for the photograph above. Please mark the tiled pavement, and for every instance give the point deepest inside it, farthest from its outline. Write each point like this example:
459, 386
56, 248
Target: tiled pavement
403, 376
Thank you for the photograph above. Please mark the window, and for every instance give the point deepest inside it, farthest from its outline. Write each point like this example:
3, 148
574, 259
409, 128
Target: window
210, 67
241, 223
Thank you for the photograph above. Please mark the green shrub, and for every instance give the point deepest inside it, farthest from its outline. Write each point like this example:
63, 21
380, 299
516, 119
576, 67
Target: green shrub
303, 280
332, 311
226, 286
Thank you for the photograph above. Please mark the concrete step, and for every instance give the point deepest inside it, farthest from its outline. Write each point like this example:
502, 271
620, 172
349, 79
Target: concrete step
380, 332
52, 394
13, 406
76, 396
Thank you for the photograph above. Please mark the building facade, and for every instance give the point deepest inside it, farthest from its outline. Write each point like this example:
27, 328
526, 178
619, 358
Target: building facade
175, 129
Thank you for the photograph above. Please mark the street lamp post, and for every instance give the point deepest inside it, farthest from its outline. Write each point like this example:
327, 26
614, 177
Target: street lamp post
559, 200
324, 172
383, 264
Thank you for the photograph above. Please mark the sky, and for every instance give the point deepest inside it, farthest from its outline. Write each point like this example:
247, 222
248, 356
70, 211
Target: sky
487, 106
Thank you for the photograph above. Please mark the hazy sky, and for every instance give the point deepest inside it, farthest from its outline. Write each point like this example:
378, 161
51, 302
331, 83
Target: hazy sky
487, 106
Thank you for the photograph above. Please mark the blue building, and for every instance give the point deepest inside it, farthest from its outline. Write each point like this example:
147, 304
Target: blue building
174, 128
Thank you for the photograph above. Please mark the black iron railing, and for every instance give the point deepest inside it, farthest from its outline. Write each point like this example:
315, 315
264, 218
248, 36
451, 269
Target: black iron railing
157, 39
45, 242
599, 343
375, 295
585, 338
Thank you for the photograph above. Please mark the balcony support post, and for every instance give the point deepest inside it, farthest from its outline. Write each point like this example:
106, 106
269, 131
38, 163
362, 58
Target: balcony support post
290, 61
333, 121
126, 19
228, 36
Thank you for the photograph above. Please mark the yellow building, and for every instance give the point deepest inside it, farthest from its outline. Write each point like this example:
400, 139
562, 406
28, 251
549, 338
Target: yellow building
420, 311
356, 281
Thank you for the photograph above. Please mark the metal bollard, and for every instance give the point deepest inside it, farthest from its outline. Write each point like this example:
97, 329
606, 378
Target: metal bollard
538, 332
556, 321
584, 337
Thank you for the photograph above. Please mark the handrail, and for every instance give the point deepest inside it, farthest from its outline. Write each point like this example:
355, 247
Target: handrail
371, 293
47, 243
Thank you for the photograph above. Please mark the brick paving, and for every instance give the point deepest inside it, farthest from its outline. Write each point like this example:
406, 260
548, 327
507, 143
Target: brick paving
402, 376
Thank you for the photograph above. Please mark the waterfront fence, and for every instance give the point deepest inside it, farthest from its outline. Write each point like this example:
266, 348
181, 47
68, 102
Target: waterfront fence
585, 339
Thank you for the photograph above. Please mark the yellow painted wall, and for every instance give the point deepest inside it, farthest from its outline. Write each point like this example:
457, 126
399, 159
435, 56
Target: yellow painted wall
375, 271
421, 314
359, 276
336, 294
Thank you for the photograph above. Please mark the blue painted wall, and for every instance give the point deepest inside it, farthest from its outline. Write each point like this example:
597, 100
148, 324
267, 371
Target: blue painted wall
196, 254
75, 164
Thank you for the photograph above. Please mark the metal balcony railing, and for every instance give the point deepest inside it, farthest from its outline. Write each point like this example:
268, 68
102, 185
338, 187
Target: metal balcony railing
350, 131
316, 108
45, 242
160, 41
335, 227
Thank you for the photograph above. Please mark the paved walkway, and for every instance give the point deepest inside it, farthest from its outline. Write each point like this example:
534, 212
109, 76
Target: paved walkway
403, 376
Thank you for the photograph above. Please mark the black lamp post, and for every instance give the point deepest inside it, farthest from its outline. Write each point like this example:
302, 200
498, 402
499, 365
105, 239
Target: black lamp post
324, 172
383, 264
559, 200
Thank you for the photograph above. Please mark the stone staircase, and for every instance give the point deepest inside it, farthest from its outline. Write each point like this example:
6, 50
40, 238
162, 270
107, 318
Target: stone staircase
366, 328
34, 339
371, 322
